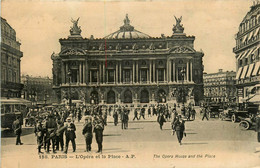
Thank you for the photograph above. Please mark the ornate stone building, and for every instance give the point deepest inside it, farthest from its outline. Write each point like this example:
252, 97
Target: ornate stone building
37, 89
247, 52
220, 86
10, 62
128, 66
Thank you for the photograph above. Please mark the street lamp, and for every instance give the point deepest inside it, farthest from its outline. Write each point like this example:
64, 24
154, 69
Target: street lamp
182, 93
69, 75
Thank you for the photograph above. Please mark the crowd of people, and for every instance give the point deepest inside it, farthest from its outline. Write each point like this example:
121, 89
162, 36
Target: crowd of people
52, 126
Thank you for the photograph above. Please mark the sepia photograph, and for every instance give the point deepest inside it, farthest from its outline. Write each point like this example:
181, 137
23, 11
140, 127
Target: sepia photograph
130, 83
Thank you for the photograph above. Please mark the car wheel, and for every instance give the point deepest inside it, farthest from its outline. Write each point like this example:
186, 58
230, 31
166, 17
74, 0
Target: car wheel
233, 118
244, 125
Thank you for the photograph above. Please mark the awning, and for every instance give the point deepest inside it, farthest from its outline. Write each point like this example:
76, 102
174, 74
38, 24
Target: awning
246, 53
15, 101
256, 69
244, 38
239, 73
242, 55
249, 53
250, 35
250, 70
243, 76
256, 31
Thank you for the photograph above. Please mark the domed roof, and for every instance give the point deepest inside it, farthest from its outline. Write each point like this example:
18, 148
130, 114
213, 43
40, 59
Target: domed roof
127, 32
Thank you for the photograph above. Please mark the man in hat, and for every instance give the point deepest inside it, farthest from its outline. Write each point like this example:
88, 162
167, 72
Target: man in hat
87, 132
59, 135
38, 130
98, 129
70, 135
17, 127
51, 127
179, 127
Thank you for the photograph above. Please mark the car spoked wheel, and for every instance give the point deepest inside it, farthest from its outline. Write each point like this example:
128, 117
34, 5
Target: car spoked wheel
244, 125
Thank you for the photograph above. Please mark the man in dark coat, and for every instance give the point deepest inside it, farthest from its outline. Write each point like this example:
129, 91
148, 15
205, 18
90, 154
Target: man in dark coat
135, 114
179, 128
59, 135
87, 132
38, 130
115, 116
70, 135
51, 127
142, 114
17, 127
204, 113
257, 127
98, 129
161, 120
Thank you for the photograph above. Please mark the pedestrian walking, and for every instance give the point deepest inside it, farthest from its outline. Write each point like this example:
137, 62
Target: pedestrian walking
257, 128
70, 135
193, 113
38, 131
51, 127
161, 120
87, 132
204, 113
115, 116
135, 115
149, 112
17, 128
142, 114
179, 128
98, 129
59, 135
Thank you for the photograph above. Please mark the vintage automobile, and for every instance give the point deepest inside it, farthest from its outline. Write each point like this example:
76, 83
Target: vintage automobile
214, 110
247, 123
236, 115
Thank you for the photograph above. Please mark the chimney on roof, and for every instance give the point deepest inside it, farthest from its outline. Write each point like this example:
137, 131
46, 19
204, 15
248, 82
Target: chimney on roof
220, 70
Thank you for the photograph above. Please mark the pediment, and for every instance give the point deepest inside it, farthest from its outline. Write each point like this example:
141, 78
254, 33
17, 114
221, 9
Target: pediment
72, 51
182, 49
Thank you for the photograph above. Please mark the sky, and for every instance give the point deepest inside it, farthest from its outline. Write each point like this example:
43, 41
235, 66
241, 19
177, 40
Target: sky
40, 24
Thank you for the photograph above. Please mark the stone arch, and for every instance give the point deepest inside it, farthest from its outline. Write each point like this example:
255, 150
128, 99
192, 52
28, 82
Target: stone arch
111, 97
94, 99
161, 96
144, 98
128, 97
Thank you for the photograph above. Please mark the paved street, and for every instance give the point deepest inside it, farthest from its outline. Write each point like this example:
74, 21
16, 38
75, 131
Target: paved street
212, 143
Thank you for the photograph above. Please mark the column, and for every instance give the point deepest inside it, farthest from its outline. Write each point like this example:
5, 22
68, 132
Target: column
90, 77
131, 75
120, 72
114, 76
137, 73
164, 75
100, 72
66, 72
80, 73
107, 76
150, 71
173, 72
170, 71
167, 68
62, 73
147, 76
84, 71
154, 71
104, 79
87, 72
177, 75
187, 69
191, 72
117, 72
133, 71
156, 75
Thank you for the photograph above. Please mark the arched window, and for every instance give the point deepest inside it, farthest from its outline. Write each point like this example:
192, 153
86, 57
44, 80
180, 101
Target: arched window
128, 96
111, 97
144, 96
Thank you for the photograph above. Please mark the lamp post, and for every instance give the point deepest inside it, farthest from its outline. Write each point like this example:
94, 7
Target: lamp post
182, 93
69, 75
